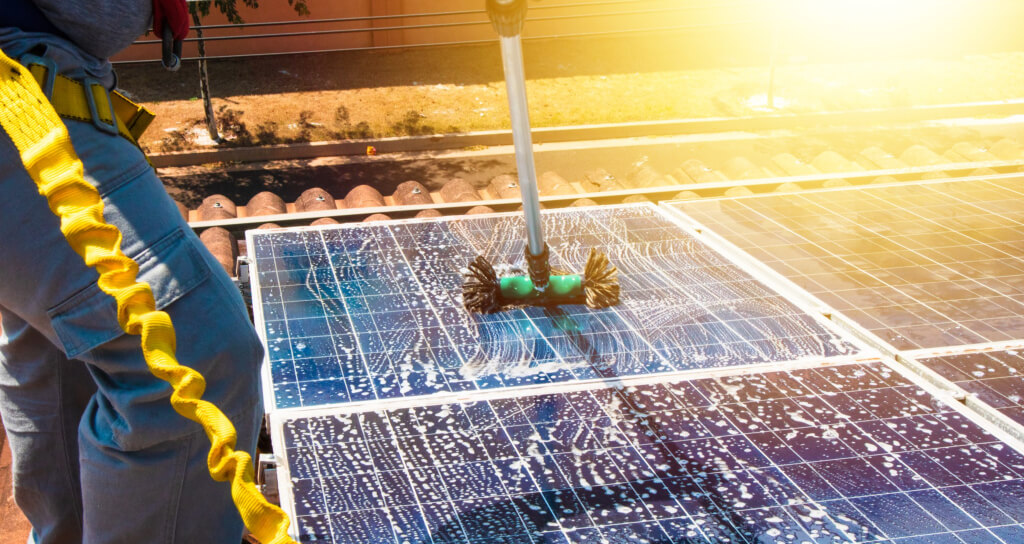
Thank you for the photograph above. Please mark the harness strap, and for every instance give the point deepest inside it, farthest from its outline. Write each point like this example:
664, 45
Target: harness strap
89, 101
46, 151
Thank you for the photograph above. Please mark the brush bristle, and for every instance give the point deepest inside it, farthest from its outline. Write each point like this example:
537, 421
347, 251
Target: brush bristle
600, 281
481, 290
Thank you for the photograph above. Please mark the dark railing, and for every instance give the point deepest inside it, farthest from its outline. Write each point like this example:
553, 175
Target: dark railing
640, 8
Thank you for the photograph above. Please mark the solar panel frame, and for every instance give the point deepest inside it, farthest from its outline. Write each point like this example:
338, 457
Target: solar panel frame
806, 303
809, 469
991, 373
660, 220
801, 261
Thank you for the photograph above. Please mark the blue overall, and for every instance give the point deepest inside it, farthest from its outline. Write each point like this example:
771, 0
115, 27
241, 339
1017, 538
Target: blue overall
99, 456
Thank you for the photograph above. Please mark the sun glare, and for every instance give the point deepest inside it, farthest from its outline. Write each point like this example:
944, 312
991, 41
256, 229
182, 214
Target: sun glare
854, 24
868, 13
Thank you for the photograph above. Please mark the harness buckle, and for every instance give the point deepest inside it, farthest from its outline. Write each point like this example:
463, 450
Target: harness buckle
28, 59
111, 127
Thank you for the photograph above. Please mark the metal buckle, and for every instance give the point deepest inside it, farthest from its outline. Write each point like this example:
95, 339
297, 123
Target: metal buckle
109, 128
29, 59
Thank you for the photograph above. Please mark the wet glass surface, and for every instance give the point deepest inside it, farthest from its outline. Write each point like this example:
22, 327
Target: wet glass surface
996, 377
373, 311
921, 265
851, 453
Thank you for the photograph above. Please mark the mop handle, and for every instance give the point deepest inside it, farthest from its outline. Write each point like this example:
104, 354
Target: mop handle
507, 17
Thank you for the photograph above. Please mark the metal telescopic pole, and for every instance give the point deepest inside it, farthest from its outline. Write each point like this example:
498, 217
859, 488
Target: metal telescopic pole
512, 59
507, 17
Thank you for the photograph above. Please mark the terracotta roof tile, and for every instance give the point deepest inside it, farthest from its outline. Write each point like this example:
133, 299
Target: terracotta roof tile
314, 200
265, 203
223, 245
217, 207
635, 198
182, 209
698, 172
429, 213
550, 183
800, 162
459, 190
643, 176
685, 195
504, 186
364, 196
410, 193
600, 180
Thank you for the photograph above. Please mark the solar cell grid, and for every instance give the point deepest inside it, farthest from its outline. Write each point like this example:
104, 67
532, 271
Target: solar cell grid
995, 376
374, 311
921, 265
850, 453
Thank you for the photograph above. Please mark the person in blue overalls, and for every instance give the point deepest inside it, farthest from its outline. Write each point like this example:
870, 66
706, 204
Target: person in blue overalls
99, 456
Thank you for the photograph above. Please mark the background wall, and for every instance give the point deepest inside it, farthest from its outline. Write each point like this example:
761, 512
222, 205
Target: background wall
740, 30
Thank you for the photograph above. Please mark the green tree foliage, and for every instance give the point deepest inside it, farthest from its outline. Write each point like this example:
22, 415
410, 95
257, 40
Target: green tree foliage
230, 9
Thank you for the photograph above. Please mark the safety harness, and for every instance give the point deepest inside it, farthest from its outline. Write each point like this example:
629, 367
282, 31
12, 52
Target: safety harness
88, 100
42, 140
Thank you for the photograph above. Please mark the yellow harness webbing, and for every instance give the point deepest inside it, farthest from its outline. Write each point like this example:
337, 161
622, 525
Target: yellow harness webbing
70, 101
46, 151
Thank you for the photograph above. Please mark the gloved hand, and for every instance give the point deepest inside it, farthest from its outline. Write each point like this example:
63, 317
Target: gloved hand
171, 23
173, 13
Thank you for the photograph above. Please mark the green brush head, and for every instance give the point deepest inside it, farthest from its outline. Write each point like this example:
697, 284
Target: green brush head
484, 292
560, 289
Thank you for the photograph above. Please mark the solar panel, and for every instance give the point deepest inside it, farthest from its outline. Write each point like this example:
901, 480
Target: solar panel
373, 311
996, 376
841, 453
921, 265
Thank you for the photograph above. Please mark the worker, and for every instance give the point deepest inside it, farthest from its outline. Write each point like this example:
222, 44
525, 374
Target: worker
99, 455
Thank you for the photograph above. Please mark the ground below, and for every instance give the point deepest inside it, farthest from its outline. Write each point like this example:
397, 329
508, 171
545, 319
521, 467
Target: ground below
269, 100
14, 528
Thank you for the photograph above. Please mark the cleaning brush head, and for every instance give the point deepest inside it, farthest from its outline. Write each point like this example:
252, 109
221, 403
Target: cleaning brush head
481, 291
484, 292
600, 281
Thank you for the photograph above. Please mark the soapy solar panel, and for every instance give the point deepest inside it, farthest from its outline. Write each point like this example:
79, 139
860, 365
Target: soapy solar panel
921, 265
374, 311
848, 453
996, 376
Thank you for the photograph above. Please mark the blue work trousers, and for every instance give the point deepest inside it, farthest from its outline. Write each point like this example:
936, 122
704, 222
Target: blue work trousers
99, 454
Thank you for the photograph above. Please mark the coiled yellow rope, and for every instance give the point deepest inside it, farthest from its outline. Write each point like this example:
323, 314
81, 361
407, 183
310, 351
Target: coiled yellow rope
46, 151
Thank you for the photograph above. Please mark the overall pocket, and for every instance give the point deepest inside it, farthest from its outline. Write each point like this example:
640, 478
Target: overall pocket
172, 267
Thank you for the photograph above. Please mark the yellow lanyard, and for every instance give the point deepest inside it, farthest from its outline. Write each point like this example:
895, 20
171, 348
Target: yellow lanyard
46, 151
